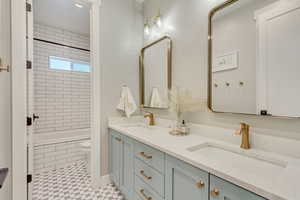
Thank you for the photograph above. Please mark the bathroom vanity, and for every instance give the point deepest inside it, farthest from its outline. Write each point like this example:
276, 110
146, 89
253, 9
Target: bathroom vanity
146, 163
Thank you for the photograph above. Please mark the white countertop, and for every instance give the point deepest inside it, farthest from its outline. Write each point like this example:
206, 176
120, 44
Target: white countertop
276, 183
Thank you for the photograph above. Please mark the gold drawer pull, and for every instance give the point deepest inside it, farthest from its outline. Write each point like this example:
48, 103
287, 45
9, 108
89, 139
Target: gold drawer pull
200, 184
144, 195
215, 192
145, 176
119, 139
145, 155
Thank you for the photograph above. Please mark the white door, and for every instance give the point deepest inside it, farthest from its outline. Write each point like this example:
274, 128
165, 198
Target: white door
5, 98
30, 95
279, 45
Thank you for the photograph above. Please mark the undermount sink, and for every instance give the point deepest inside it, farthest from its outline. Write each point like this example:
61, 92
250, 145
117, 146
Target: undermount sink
248, 160
140, 126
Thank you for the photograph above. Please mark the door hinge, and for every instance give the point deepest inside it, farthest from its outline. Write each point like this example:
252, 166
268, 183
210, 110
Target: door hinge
29, 178
29, 121
264, 112
28, 64
28, 7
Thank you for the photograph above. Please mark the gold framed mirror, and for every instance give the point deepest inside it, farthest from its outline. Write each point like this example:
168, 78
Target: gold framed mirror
156, 73
252, 58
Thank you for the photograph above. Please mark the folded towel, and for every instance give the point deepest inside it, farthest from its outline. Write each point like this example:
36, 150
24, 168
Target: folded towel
155, 101
127, 103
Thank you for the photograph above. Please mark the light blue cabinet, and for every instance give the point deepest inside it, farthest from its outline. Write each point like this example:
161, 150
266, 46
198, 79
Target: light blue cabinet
221, 189
115, 157
121, 163
142, 172
184, 181
127, 170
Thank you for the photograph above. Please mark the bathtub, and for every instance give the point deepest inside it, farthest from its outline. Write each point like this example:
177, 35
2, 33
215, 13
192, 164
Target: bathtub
58, 149
61, 137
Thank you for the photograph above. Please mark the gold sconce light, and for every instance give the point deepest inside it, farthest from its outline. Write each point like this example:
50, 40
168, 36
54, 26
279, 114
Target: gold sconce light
156, 21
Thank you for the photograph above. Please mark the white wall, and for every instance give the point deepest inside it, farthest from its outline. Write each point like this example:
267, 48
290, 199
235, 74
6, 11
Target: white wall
121, 28
186, 23
5, 98
62, 99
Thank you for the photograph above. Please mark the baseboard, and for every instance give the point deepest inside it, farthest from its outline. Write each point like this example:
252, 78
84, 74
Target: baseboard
102, 181
105, 180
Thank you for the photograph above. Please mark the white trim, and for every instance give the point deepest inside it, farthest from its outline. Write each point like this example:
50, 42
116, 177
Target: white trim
96, 93
106, 180
19, 138
19, 143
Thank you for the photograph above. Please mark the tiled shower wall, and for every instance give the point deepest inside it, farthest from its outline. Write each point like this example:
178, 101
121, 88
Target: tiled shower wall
55, 156
61, 98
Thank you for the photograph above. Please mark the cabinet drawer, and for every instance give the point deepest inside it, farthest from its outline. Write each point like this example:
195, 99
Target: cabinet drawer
221, 189
151, 156
150, 176
144, 191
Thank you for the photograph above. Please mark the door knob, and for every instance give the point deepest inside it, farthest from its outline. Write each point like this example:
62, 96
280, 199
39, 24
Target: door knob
3, 69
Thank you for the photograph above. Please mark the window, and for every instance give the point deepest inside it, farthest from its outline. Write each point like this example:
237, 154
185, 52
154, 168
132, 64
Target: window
68, 64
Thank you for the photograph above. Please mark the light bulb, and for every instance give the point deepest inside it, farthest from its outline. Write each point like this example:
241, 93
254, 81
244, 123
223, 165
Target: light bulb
158, 22
78, 5
146, 29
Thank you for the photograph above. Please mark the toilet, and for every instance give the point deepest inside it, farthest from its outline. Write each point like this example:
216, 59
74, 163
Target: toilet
86, 147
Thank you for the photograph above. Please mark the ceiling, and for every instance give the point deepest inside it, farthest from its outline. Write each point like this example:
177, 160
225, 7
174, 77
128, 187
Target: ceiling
62, 14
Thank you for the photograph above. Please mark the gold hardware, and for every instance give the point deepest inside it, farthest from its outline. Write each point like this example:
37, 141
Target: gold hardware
145, 155
216, 85
145, 176
144, 195
215, 192
119, 139
200, 184
241, 83
227, 84
2, 69
151, 117
244, 131
210, 47
142, 71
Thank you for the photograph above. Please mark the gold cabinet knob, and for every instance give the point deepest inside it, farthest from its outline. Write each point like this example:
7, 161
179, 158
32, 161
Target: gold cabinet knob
200, 184
215, 192
119, 139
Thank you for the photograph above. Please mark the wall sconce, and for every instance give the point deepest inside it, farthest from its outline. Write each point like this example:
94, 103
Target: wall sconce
153, 22
158, 20
147, 28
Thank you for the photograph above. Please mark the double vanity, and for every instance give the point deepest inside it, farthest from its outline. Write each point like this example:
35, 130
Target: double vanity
147, 163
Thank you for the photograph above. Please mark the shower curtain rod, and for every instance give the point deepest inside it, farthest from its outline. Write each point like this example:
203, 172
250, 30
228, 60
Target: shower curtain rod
49, 42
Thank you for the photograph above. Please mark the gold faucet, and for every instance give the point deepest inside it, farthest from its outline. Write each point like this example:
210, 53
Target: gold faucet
151, 118
244, 131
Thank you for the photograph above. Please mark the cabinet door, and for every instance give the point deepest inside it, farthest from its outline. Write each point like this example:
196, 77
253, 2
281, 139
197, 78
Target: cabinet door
126, 167
114, 157
184, 181
221, 189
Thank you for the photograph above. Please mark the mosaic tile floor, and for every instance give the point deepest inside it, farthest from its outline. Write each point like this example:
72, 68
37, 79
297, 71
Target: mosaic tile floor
70, 183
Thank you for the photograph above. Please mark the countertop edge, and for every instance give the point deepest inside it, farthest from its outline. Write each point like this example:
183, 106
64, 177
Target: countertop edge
246, 186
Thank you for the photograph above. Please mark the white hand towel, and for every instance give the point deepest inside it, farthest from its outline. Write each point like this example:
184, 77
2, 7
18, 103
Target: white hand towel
127, 103
155, 99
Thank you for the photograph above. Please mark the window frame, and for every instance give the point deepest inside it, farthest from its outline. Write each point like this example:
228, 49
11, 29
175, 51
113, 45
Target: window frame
72, 62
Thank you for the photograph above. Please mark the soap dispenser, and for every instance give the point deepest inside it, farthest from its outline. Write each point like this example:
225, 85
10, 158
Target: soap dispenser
184, 129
